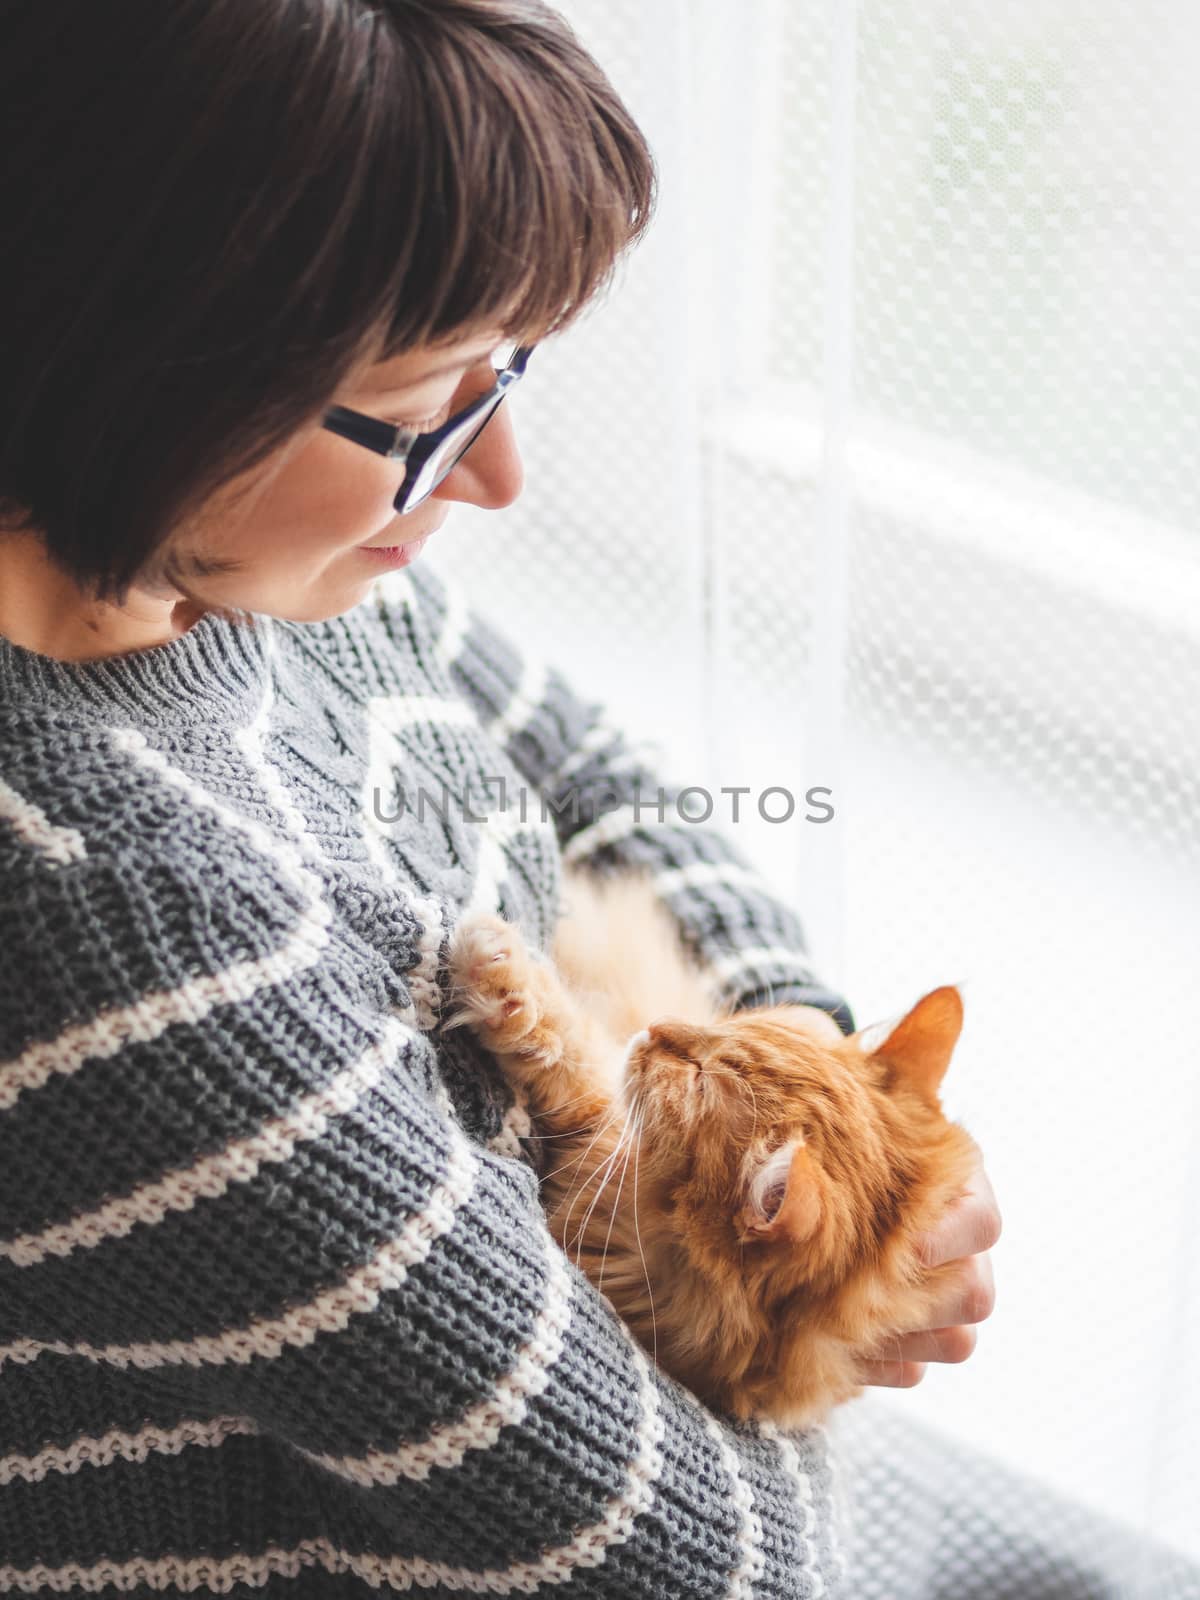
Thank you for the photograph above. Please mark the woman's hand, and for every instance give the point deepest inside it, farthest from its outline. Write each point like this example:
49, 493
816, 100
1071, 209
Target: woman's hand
967, 1232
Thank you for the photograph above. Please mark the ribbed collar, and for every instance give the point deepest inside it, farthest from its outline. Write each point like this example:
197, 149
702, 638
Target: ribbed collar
217, 669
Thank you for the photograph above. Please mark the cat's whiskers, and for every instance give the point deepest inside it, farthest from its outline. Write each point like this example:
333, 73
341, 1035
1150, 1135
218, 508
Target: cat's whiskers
579, 1128
607, 1169
627, 1140
581, 1188
565, 1105
583, 1155
637, 1152
571, 1133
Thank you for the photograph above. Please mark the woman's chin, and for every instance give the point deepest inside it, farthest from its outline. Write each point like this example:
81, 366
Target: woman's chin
324, 601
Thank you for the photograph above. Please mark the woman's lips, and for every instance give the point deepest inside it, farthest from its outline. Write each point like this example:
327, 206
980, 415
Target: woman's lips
396, 555
399, 555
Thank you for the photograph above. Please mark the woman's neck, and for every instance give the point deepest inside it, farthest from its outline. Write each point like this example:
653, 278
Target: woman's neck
44, 610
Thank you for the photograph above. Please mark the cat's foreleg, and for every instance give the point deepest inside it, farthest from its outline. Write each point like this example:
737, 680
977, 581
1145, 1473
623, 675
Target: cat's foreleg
522, 1011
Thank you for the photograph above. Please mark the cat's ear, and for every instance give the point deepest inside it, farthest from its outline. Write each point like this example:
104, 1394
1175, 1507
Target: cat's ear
918, 1047
783, 1198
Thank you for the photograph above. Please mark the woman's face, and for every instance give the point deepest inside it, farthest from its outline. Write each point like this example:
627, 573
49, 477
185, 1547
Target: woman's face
302, 522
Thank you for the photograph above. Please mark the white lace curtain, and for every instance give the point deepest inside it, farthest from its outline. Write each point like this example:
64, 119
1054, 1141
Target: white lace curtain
880, 472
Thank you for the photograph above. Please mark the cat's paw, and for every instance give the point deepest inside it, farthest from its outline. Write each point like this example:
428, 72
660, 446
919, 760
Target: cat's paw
497, 989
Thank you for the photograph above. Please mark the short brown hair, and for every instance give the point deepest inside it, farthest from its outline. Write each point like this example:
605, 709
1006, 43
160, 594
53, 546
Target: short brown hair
213, 208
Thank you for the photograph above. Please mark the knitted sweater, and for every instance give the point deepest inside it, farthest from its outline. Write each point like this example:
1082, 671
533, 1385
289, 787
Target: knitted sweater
279, 1313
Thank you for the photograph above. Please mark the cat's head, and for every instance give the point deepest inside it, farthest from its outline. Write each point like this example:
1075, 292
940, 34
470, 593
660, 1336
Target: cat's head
789, 1154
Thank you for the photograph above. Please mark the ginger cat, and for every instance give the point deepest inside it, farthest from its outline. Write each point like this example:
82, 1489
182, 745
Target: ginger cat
746, 1188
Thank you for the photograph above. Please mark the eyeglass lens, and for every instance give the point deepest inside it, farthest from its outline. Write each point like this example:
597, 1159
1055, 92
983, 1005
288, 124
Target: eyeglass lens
451, 450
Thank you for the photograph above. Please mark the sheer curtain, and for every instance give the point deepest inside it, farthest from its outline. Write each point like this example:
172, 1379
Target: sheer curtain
879, 472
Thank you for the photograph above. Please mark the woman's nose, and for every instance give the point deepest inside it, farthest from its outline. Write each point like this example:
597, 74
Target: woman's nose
490, 474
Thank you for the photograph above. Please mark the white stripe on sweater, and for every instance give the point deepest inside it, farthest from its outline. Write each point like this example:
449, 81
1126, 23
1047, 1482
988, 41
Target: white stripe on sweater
102, 1450
492, 865
631, 753
705, 874
588, 1548
529, 692
592, 742
751, 1563
250, 740
455, 625
789, 1458
397, 711
211, 1176
148, 1018
764, 955
134, 743
57, 845
527, 698
386, 756
422, 976
617, 825
394, 589
391, 713
839, 1520
491, 869
328, 1312
480, 1427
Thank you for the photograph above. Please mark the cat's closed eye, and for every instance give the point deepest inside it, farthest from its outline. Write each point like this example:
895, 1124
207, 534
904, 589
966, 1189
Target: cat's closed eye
669, 1047
725, 1063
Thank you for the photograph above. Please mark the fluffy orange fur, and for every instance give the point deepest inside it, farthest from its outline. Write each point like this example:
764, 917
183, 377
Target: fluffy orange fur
747, 1188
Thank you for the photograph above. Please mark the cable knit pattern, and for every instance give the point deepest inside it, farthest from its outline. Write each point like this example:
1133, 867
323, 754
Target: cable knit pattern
279, 1313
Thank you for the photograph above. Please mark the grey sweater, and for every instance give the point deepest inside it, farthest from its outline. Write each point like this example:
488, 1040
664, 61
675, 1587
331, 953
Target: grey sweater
279, 1313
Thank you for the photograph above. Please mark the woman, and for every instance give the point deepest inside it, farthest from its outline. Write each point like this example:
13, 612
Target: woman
279, 1311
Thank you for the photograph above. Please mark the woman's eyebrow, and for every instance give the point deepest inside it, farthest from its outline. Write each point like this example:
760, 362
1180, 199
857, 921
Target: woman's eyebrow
385, 386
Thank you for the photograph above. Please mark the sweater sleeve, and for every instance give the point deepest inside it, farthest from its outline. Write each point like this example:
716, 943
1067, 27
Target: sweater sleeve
227, 1165
612, 809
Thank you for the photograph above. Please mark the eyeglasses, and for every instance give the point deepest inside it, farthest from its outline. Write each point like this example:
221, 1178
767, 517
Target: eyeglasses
429, 457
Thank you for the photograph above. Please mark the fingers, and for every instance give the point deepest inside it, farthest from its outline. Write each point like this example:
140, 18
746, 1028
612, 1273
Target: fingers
905, 1368
968, 1294
817, 1022
893, 1374
970, 1225
935, 1344
967, 1297
930, 1344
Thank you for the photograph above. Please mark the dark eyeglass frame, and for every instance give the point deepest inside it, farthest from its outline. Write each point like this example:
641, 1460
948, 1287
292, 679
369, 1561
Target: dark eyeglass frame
399, 443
